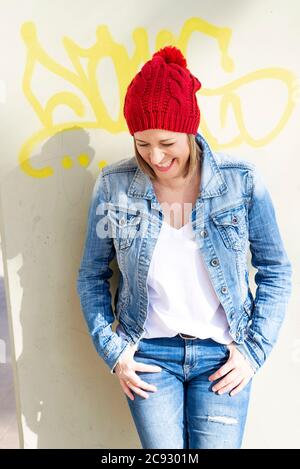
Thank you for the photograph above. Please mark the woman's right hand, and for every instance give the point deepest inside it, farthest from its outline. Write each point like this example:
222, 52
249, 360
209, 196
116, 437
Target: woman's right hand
126, 371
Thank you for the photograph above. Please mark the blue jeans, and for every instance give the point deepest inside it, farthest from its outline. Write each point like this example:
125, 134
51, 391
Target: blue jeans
184, 412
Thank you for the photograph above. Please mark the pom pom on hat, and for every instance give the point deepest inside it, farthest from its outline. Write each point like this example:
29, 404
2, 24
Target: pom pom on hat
171, 55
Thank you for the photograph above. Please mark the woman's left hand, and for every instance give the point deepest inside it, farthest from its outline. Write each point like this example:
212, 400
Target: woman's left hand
238, 373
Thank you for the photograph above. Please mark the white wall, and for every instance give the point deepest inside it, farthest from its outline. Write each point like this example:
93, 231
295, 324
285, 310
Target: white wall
247, 52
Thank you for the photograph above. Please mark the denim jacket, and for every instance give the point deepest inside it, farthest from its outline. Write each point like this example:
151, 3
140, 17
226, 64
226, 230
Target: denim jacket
232, 215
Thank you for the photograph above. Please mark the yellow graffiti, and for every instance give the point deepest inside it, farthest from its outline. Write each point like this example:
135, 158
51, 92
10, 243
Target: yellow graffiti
67, 162
88, 95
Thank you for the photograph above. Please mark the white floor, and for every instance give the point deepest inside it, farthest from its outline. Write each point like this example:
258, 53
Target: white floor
8, 424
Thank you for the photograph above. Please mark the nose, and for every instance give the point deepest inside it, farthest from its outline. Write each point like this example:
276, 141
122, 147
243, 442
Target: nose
156, 156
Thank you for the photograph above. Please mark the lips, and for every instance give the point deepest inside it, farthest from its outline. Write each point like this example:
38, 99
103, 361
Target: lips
164, 169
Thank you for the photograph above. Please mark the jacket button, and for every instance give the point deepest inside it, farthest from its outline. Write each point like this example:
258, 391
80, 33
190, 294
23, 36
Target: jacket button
234, 219
203, 233
122, 221
224, 289
215, 262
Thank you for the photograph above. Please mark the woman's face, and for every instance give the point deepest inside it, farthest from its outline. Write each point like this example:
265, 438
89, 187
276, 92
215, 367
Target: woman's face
167, 152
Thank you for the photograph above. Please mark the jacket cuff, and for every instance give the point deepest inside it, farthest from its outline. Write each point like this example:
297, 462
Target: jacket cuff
247, 354
113, 349
119, 356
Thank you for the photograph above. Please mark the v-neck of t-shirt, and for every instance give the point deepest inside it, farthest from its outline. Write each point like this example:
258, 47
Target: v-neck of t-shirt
185, 231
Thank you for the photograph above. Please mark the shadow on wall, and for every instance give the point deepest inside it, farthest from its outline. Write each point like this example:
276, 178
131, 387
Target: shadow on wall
8, 423
66, 390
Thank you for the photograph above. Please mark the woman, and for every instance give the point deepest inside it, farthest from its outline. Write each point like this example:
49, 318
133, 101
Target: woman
180, 219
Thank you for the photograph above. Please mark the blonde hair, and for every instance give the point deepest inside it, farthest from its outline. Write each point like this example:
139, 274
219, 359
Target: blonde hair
195, 155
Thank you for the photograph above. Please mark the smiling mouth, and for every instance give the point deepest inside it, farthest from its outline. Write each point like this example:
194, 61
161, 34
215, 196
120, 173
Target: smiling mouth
165, 168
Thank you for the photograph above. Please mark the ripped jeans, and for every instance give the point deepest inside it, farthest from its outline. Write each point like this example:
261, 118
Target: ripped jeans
184, 412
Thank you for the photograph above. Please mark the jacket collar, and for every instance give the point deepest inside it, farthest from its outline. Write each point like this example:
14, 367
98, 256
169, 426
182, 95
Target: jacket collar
212, 182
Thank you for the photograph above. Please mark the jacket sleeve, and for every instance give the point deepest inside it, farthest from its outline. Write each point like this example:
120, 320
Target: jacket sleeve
273, 276
93, 284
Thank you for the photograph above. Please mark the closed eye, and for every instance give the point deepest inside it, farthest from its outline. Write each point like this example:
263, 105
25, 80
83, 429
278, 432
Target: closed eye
163, 144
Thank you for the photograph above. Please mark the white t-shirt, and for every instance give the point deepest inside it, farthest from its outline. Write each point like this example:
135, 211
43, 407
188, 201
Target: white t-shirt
181, 295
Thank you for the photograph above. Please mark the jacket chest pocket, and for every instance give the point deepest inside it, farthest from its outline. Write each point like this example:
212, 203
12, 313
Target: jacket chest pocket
125, 226
232, 227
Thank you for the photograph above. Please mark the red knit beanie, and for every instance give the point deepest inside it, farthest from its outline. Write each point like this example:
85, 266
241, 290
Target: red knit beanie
163, 95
